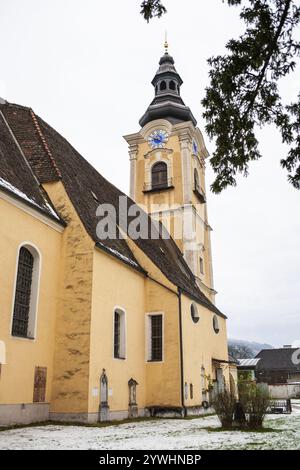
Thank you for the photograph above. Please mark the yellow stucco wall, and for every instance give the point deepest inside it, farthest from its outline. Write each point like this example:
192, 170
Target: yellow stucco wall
117, 286
70, 392
200, 345
163, 378
23, 355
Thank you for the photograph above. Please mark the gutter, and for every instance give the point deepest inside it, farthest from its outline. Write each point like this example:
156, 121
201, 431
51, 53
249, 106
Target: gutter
181, 354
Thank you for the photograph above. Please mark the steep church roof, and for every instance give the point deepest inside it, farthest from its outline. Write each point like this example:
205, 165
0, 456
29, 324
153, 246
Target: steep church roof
167, 103
51, 158
16, 175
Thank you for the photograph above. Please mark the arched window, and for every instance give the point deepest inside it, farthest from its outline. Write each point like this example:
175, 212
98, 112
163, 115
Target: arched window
172, 85
159, 175
119, 334
194, 313
163, 86
26, 293
216, 324
196, 179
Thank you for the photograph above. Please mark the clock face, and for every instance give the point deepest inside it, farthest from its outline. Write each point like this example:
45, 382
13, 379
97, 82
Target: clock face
158, 139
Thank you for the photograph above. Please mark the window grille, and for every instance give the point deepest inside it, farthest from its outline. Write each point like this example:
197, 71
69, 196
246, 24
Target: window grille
156, 337
23, 294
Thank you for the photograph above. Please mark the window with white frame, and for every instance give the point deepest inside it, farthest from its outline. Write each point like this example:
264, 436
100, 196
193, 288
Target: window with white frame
119, 334
26, 293
155, 337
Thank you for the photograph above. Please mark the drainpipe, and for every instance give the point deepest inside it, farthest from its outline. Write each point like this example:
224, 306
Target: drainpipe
181, 354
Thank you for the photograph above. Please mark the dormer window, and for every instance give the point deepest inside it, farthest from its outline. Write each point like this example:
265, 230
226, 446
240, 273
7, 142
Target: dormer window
159, 175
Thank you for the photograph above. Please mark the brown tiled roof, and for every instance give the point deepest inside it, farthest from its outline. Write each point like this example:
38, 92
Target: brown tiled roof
16, 175
24, 125
52, 157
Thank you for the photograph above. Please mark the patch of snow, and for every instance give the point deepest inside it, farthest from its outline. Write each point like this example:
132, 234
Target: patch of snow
119, 255
172, 434
5, 184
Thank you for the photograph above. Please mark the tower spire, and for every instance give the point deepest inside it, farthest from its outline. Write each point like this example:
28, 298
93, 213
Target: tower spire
166, 45
167, 102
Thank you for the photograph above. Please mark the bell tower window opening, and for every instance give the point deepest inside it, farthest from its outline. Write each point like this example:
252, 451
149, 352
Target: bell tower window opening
163, 86
159, 175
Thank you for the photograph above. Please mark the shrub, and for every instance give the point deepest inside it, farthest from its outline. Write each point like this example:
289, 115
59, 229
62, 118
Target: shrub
255, 401
224, 404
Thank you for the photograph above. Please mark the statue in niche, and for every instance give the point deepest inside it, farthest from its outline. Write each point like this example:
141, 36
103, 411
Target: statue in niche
103, 407
132, 406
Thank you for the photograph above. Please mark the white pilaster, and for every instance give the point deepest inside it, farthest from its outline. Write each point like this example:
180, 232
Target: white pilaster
186, 161
133, 151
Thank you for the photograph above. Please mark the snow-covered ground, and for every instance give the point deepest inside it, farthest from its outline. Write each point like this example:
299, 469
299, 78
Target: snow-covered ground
172, 434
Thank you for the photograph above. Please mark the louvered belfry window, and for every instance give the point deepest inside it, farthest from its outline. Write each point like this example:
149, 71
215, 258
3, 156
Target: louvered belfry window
23, 294
40, 379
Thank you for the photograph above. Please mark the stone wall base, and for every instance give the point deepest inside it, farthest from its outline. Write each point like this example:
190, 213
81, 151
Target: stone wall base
94, 417
24, 413
39, 412
178, 411
199, 411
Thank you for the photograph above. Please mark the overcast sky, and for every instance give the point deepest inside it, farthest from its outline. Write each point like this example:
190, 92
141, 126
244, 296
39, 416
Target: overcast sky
85, 66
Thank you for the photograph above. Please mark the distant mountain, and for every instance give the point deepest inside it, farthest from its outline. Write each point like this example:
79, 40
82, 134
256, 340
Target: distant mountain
252, 346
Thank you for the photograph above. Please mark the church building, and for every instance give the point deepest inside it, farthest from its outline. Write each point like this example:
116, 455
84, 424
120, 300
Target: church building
97, 328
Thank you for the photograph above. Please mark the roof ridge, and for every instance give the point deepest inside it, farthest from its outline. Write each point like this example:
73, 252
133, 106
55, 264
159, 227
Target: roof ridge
44, 142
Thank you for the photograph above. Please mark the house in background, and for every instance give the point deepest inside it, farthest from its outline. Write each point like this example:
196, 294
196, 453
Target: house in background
279, 369
247, 369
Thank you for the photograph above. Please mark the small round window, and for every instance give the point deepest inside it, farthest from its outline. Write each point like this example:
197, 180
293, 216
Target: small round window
216, 324
194, 313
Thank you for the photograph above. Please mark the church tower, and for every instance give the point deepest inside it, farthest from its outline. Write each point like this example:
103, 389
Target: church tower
167, 171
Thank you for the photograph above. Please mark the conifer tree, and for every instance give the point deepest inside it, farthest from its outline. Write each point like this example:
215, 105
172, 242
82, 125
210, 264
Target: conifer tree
243, 91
